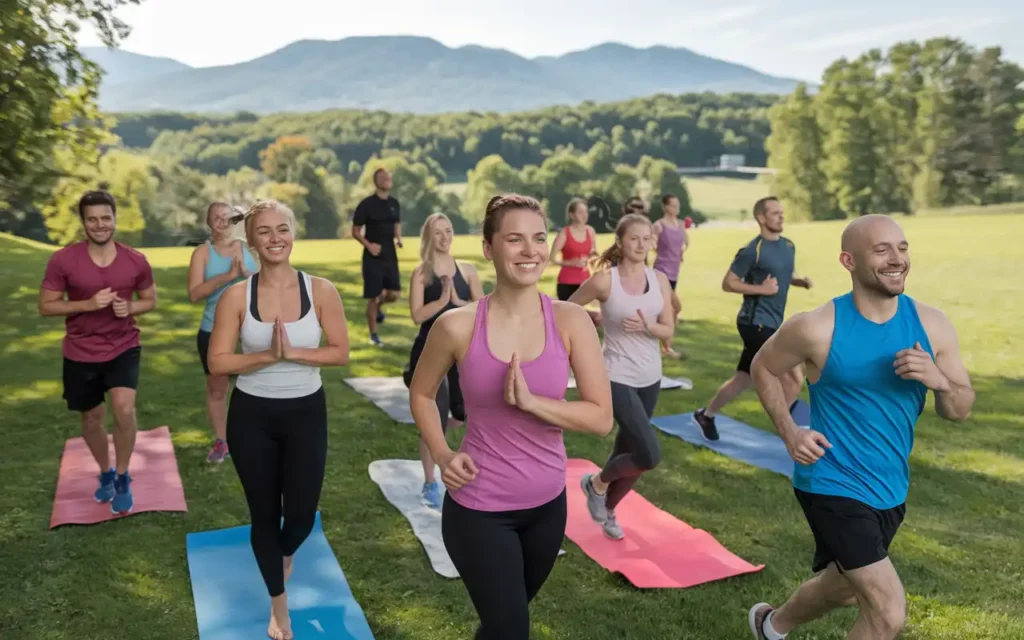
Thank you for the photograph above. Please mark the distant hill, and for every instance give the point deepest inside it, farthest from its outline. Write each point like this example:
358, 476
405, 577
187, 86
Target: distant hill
416, 74
122, 67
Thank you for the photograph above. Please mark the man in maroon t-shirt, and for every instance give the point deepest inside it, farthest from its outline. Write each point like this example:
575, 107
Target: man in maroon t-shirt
93, 284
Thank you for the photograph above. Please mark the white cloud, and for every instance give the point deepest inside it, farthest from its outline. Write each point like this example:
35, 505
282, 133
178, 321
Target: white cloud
886, 33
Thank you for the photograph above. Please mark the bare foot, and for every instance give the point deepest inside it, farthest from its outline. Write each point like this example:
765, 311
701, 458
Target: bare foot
289, 565
280, 627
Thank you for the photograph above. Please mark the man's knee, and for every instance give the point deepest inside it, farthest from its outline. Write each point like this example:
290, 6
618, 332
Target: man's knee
124, 410
92, 419
389, 296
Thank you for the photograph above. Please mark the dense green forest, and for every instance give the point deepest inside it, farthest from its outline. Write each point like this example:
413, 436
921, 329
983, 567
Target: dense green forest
930, 124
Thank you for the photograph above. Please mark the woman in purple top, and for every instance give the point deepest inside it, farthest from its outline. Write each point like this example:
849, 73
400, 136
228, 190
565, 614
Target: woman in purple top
503, 518
671, 242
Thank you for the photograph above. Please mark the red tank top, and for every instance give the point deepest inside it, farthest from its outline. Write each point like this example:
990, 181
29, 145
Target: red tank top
573, 249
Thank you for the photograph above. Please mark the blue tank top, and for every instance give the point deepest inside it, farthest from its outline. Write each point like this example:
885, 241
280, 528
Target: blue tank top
865, 410
217, 264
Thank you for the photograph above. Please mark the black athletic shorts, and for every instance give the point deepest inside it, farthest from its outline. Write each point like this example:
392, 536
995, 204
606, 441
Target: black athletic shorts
754, 336
203, 346
848, 532
379, 276
86, 383
564, 291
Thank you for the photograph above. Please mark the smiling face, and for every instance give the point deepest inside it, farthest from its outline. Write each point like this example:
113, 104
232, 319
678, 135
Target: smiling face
441, 235
99, 223
519, 247
218, 220
877, 255
635, 241
270, 234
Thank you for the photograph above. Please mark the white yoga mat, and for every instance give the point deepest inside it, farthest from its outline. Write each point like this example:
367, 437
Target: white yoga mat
666, 383
389, 394
401, 482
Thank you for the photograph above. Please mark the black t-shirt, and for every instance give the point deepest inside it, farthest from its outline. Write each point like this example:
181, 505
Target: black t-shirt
379, 218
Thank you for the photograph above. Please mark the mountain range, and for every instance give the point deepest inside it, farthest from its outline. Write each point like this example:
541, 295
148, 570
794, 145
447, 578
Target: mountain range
415, 74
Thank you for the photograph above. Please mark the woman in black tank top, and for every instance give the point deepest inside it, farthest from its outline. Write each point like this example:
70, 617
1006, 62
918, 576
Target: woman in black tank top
438, 284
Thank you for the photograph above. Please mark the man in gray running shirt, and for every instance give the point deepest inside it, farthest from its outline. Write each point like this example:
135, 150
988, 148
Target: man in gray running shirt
762, 272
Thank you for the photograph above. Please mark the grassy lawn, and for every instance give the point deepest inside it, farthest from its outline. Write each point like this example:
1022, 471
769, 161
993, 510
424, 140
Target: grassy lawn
959, 553
725, 198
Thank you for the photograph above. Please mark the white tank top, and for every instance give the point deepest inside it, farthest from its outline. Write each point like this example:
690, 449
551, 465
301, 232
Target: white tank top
632, 359
283, 379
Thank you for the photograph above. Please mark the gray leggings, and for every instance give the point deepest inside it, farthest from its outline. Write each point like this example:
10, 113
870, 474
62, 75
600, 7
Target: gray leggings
636, 445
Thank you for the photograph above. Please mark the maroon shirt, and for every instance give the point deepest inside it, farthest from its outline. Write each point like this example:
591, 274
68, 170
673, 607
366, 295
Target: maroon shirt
97, 336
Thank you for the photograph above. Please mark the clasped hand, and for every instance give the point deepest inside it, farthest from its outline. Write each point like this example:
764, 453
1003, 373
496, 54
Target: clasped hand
280, 346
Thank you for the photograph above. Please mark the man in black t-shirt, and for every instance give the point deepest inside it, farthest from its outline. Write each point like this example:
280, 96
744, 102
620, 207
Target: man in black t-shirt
377, 226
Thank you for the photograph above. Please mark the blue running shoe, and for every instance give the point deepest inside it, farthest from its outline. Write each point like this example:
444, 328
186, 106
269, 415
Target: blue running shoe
123, 502
105, 492
432, 495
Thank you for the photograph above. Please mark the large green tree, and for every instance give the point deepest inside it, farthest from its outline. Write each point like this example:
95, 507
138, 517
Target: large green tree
48, 90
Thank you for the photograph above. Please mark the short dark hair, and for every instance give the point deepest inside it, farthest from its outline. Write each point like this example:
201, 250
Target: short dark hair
500, 204
668, 197
98, 197
377, 173
761, 206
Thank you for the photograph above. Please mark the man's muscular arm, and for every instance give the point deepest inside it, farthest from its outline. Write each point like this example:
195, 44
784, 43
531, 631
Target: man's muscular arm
792, 345
946, 375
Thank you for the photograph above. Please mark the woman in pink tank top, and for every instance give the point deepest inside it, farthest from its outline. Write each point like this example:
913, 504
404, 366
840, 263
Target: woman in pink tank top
503, 517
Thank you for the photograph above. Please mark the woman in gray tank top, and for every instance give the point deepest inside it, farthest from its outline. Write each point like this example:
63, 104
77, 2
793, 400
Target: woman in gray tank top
636, 315
277, 416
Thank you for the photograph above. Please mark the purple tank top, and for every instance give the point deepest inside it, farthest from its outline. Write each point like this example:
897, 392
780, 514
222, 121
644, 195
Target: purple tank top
670, 251
519, 458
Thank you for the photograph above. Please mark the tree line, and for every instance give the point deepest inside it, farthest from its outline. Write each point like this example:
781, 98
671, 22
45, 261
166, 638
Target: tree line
927, 124
922, 125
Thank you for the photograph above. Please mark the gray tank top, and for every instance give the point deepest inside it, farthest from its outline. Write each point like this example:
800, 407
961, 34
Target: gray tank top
282, 379
632, 359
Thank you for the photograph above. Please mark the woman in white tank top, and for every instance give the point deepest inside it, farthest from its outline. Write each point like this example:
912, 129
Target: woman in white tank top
636, 315
277, 416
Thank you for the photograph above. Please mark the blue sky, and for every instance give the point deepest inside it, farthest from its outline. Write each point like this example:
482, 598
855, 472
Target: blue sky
796, 38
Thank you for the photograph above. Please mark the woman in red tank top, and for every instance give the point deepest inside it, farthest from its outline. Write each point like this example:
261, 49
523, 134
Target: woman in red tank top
575, 252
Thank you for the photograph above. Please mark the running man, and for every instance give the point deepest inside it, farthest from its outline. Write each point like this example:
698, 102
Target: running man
377, 226
92, 284
762, 272
671, 242
871, 356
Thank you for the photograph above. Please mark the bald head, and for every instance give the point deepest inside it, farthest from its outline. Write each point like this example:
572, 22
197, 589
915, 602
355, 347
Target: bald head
876, 253
869, 230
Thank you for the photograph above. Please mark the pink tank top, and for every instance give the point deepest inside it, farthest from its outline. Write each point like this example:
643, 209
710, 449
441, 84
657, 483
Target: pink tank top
519, 458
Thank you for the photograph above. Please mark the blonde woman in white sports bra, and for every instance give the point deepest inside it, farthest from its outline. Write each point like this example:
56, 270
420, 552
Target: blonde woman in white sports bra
637, 314
277, 416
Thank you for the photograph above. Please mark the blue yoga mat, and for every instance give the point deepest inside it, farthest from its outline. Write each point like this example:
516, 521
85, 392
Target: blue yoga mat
232, 602
736, 439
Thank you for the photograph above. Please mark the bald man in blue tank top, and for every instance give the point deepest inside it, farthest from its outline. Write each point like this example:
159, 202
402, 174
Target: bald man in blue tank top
871, 357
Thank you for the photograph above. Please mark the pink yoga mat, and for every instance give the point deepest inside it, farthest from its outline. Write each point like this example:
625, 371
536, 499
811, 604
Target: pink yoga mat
156, 484
659, 550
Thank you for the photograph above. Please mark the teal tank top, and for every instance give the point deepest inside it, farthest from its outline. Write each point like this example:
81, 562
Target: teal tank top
866, 411
216, 265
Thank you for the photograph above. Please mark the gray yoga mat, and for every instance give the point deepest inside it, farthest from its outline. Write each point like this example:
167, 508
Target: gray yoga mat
401, 481
389, 394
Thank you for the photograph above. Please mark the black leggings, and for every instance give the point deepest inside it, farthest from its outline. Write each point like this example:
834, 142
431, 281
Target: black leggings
636, 447
503, 558
279, 448
449, 394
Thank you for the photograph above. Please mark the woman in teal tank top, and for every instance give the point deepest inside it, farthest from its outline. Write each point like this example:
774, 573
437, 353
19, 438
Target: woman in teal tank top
217, 264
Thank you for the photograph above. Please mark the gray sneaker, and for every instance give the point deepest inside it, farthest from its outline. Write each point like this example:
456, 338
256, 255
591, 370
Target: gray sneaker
612, 528
595, 501
755, 618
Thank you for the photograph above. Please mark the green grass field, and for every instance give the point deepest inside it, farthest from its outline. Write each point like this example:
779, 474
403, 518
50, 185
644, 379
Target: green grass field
959, 553
725, 198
